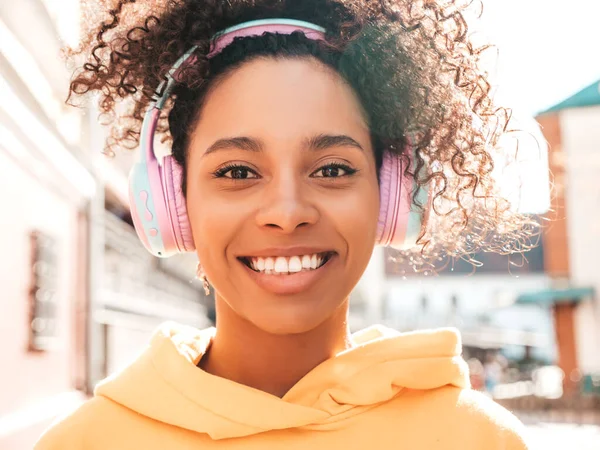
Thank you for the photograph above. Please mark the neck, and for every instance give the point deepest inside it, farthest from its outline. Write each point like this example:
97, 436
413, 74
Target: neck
243, 353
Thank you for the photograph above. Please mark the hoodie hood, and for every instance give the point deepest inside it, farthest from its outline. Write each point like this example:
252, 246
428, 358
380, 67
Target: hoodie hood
164, 383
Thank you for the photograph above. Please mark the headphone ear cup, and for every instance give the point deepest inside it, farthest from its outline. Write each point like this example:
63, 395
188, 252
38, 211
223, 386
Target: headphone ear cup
141, 210
148, 202
400, 222
172, 177
391, 226
148, 209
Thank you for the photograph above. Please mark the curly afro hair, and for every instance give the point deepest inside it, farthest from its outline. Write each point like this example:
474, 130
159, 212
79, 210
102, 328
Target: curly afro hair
412, 64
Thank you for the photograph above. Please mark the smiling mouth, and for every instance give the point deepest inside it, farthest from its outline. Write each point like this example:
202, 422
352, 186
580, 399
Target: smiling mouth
281, 265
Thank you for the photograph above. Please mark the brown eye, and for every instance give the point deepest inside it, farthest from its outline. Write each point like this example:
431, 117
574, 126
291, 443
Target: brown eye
334, 171
235, 172
239, 174
331, 172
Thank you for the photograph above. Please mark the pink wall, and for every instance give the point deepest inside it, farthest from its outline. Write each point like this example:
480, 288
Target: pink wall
30, 380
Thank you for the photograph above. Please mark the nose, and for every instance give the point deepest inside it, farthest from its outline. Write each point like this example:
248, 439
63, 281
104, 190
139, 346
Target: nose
287, 205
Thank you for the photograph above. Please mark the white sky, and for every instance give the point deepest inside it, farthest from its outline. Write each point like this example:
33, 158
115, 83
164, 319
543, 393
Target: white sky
66, 13
548, 48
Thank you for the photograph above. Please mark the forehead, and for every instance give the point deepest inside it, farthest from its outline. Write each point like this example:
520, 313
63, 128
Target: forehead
282, 99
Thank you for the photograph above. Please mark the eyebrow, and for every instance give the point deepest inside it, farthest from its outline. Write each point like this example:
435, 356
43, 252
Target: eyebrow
242, 143
324, 141
318, 142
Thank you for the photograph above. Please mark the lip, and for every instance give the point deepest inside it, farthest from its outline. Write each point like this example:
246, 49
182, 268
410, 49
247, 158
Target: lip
286, 251
289, 284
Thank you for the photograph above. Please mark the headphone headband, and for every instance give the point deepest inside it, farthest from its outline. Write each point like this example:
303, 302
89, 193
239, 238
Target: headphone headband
223, 38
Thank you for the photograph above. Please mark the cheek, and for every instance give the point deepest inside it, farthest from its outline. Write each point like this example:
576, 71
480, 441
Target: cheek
356, 216
211, 221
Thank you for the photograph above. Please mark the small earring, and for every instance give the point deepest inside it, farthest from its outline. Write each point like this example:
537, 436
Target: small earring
202, 276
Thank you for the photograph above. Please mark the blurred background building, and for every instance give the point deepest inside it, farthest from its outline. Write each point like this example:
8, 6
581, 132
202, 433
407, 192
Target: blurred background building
573, 241
81, 296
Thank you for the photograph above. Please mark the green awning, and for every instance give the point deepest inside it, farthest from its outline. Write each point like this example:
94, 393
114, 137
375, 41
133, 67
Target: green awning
553, 296
589, 96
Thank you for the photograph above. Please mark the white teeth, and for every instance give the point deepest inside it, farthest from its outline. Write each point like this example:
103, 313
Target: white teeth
295, 264
269, 263
283, 265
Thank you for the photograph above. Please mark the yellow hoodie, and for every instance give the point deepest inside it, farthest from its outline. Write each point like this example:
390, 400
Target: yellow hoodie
392, 391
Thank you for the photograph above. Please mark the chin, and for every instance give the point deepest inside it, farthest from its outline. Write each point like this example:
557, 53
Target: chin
287, 324
288, 318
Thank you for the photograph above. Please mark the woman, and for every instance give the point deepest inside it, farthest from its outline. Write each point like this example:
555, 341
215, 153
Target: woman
303, 133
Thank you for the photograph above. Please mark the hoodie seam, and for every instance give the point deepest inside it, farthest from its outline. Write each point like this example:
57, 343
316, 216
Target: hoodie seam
342, 382
366, 409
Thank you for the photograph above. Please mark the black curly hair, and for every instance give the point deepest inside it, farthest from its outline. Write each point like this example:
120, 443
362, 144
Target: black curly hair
411, 63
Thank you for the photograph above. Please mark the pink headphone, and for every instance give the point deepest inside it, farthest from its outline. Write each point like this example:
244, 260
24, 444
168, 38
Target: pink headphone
157, 203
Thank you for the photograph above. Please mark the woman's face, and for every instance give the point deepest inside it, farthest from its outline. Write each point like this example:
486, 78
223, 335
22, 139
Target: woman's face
282, 193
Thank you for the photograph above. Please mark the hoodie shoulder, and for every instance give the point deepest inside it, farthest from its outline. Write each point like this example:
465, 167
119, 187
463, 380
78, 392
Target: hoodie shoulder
73, 431
66, 432
464, 419
508, 431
